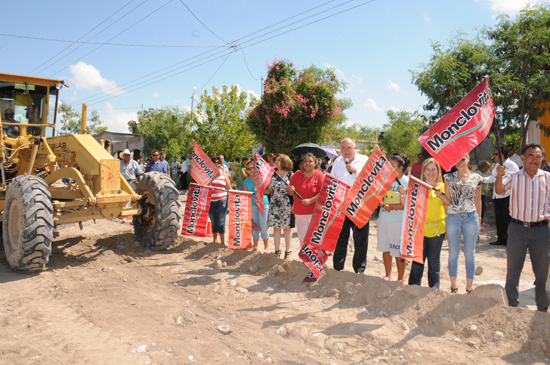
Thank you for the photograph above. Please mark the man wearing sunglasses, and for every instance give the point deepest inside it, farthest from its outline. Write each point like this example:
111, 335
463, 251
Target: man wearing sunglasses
156, 164
512, 156
501, 202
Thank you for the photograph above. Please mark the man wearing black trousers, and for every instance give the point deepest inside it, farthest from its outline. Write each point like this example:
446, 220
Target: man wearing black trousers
346, 168
501, 202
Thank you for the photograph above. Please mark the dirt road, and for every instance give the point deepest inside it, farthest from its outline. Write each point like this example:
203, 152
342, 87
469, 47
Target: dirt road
105, 300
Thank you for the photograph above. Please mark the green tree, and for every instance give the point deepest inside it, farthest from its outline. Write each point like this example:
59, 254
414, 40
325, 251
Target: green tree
167, 129
451, 73
94, 124
520, 65
401, 133
220, 126
70, 119
515, 54
297, 107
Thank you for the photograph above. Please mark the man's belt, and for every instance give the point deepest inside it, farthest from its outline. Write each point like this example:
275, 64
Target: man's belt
530, 224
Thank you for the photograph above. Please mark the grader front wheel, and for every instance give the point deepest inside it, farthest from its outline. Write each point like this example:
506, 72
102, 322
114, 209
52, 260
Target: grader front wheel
28, 224
158, 225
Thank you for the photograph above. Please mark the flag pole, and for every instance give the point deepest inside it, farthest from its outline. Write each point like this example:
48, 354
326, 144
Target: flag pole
497, 136
287, 184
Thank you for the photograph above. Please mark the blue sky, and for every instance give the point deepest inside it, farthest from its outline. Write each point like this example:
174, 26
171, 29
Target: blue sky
372, 46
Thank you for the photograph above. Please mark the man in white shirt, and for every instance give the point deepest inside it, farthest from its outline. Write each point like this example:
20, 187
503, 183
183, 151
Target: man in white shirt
501, 201
346, 169
225, 165
175, 168
183, 175
512, 156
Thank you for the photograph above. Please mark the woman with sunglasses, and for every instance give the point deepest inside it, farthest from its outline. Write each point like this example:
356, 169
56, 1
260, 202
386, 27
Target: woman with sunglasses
218, 203
463, 199
259, 220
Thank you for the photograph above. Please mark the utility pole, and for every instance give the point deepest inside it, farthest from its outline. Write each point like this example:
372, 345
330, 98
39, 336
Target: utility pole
192, 100
262, 87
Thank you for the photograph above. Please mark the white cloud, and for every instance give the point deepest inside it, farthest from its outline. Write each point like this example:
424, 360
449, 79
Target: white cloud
339, 73
390, 85
155, 94
371, 104
425, 17
510, 6
117, 120
394, 108
88, 77
252, 93
74, 96
358, 78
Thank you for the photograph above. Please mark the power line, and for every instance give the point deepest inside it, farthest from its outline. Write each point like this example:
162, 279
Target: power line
169, 73
178, 63
250, 45
105, 44
110, 25
246, 63
204, 25
129, 107
206, 83
95, 49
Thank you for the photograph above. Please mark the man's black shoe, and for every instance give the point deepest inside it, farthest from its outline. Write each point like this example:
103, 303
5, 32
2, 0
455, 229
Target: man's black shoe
497, 243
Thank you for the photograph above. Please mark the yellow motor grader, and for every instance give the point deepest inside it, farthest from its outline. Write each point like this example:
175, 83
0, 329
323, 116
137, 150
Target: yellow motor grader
50, 180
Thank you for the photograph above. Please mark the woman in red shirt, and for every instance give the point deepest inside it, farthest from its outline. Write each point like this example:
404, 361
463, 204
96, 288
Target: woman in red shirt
307, 183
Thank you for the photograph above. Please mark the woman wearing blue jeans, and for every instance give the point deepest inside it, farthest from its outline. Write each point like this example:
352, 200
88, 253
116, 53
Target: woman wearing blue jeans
463, 198
259, 220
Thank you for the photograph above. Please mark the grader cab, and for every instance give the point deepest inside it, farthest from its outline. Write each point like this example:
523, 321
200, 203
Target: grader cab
49, 180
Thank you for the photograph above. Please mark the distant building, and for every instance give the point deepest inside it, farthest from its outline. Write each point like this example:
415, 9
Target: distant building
120, 141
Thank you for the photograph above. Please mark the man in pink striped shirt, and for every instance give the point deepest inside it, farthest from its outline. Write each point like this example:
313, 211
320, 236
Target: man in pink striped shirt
530, 212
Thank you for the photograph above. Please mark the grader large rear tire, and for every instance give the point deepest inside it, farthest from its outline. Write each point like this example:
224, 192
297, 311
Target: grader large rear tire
160, 222
28, 223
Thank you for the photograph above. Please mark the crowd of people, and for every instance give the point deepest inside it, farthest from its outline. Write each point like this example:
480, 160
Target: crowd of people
456, 210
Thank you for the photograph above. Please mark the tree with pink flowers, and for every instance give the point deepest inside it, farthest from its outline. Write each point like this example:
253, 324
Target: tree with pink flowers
297, 107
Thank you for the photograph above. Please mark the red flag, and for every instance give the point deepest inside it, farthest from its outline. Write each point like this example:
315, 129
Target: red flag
462, 128
412, 228
240, 219
327, 220
203, 170
314, 258
369, 189
262, 177
196, 211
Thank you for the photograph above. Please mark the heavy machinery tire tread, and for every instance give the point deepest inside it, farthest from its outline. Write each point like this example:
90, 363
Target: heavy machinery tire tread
168, 217
32, 251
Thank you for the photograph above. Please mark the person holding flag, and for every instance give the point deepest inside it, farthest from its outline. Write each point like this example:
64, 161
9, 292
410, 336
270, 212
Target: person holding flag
463, 219
346, 168
530, 210
434, 226
218, 203
390, 220
259, 220
307, 183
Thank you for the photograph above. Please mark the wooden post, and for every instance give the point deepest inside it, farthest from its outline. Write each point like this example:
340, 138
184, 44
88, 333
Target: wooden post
84, 116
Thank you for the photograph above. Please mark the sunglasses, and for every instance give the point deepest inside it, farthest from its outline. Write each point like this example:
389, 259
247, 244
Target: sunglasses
155, 155
249, 168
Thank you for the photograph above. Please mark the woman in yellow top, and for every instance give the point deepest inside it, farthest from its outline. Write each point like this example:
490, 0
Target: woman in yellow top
434, 227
